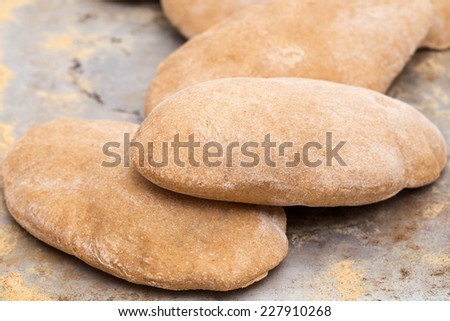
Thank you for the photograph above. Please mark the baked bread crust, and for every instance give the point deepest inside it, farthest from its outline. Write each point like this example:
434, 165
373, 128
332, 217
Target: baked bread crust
192, 17
389, 145
364, 43
117, 221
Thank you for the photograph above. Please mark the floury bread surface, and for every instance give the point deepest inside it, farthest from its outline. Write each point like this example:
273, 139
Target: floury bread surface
192, 17
117, 221
364, 43
439, 36
387, 144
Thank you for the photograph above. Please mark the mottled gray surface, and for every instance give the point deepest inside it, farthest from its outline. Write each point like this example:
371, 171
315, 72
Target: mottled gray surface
94, 59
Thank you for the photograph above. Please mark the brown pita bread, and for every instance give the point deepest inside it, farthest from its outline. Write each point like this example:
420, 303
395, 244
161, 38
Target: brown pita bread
388, 145
192, 17
364, 43
118, 222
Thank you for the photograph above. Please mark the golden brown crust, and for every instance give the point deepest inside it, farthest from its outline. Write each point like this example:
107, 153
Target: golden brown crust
357, 42
117, 221
389, 145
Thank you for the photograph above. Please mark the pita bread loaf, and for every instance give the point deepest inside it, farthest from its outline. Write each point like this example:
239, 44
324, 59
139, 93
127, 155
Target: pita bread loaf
385, 145
363, 43
192, 17
118, 222
439, 36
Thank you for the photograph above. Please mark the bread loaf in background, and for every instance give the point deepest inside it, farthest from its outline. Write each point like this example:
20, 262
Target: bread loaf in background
192, 17
115, 220
388, 145
361, 43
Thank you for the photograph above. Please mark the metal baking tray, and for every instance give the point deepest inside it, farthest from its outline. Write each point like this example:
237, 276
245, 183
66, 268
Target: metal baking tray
95, 59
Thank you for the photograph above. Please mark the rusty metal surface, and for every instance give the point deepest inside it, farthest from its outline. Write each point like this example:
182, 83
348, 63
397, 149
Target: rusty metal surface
94, 59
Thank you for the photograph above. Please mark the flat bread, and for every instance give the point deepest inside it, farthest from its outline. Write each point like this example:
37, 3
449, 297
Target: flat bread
115, 220
192, 17
364, 43
348, 145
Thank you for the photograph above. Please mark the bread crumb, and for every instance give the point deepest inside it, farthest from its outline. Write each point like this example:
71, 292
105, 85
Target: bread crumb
13, 288
349, 280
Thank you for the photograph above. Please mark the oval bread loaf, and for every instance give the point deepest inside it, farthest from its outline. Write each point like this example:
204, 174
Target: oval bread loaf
192, 17
117, 221
348, 145
364, 43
